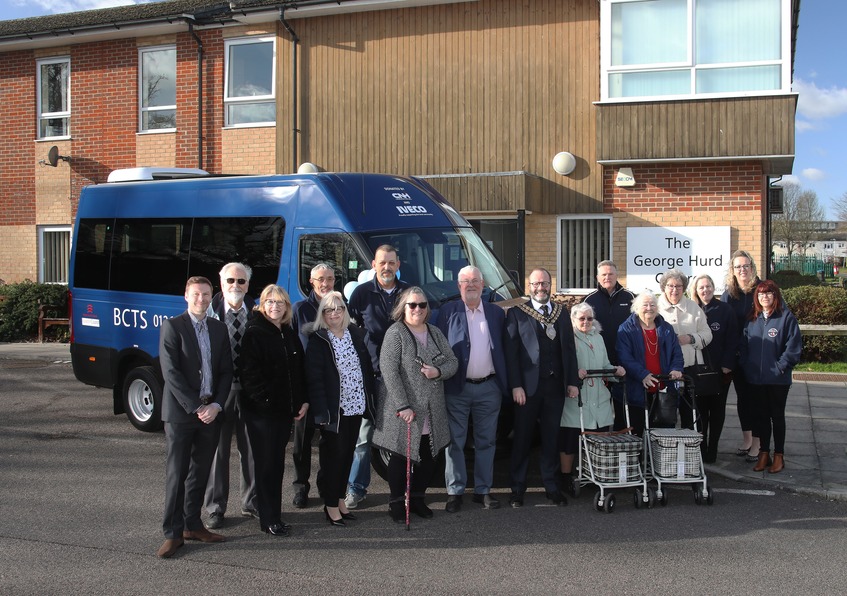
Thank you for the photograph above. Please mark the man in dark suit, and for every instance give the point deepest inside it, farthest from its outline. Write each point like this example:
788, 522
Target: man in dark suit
542, 370
475, 332
232, 306
196, 362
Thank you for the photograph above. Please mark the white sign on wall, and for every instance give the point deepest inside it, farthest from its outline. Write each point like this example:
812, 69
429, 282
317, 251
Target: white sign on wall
694, 250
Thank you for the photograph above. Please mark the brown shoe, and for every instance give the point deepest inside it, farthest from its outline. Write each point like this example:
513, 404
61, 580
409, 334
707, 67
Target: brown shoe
168, 548
778, 464
763, 462
203, 535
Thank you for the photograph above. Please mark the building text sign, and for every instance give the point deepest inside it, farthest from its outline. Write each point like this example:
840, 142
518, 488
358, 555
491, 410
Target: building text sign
694, 250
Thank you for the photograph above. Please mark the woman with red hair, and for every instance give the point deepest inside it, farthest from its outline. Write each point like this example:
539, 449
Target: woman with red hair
770, 348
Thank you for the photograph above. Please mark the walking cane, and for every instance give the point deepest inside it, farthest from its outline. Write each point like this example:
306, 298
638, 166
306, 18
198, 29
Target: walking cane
408, 469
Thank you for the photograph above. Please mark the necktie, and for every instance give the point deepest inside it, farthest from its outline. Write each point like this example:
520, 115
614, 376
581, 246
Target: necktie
545, 310
234, 324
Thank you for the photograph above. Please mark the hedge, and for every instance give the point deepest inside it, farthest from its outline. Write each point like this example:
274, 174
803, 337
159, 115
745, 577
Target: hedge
820, 305
19, 310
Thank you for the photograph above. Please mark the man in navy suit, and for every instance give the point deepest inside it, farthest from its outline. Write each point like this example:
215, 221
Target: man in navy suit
196, 362
542, 370
475, 332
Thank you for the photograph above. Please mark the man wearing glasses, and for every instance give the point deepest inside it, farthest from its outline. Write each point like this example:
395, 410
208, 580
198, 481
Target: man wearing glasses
304, 313
542, 370
232, 306
474, 330
370, 307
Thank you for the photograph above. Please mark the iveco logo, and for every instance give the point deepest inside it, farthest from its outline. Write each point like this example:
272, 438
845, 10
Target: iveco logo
411, 209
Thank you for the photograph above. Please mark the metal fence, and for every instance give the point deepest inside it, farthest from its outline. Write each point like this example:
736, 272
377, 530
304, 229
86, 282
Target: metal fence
805, 265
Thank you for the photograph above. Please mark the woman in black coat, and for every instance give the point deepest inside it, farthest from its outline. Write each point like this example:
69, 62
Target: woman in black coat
272, 397
341, 387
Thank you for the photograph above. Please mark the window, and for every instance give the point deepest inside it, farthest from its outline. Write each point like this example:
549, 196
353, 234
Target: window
157, 89
54, 98
583, 241
250, 81
678, 48
339, 251
54, 253
501, 235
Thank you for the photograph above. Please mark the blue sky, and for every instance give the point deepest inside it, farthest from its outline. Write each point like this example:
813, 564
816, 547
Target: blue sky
819, 78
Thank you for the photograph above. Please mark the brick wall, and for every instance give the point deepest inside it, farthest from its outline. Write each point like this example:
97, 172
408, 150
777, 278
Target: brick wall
17, 131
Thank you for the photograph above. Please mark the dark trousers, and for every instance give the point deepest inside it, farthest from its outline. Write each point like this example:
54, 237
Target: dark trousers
770, 415
335, 453
545, 407
422, 473
712, 410
636, 417
301, 455
745, 400
268, 438
191, 447
217, 490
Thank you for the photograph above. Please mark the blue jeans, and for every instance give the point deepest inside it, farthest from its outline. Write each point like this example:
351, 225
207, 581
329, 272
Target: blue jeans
360, 472
482, 403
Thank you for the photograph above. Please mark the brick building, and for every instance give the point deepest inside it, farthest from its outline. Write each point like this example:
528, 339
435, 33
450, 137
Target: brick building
675, 115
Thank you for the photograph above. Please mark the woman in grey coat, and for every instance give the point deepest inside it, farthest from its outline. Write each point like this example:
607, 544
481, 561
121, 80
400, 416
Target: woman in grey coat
415, 360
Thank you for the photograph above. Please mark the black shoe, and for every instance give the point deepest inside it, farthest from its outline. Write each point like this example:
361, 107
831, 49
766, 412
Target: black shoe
215, 521
419, 508
397, 511
454, 503
250, 513
301, 499
348, 516
487, 501
279, 529
557, 498
567, 484
333, 522
516, 500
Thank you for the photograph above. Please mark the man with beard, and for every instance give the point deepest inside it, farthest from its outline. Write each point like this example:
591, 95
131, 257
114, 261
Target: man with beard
370, 307
304, 313
231, 305
542, 370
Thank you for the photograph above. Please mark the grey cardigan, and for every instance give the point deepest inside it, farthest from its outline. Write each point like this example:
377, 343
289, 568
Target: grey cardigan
403, 386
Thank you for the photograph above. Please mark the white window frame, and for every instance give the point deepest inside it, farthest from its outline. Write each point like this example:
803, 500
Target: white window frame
592, 260
52, 115
606, 68
245, 100
64, 266
141, 109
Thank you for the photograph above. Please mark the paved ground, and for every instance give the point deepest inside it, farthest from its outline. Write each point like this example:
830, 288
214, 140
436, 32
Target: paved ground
816, 441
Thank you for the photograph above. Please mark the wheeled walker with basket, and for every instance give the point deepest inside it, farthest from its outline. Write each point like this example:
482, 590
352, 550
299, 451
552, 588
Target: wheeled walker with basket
673, 455
611, 460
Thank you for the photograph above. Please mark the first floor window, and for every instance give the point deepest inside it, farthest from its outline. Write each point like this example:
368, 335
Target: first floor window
157, 88
54, 252
54, 98
584, 241
250, 81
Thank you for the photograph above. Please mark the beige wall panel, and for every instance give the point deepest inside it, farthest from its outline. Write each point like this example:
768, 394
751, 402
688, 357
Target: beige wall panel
248, 150
156, 149
18, 254
53, 186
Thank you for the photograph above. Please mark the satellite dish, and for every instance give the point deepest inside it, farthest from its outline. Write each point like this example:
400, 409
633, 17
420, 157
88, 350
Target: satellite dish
53, 156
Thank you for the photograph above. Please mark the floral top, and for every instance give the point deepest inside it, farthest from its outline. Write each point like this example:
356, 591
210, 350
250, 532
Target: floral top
350, 374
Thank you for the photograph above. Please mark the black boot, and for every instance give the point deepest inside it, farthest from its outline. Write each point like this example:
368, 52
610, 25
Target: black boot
419, 508
397, 511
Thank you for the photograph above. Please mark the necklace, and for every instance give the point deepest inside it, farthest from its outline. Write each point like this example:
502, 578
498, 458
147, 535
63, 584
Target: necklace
652, 345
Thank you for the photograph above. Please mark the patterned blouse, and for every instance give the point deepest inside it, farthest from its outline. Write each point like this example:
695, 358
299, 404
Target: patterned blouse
350, 374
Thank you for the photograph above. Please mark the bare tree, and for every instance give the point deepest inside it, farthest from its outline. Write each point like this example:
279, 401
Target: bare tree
798, 224
839, 206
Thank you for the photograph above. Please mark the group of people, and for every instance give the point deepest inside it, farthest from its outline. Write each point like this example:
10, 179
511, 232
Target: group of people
376, 371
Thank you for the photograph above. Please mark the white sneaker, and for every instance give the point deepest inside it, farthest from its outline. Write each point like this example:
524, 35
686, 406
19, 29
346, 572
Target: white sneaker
352, 500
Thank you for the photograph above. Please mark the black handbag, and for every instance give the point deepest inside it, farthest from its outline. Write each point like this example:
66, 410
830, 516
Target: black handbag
706, 381
662, 407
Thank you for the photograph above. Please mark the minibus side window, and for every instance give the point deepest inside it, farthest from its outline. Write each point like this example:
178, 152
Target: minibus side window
151, 256
336, 250
254, 241
91, 259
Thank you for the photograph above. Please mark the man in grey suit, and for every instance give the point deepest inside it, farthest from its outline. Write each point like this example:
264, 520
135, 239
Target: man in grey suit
475, 332
196, 363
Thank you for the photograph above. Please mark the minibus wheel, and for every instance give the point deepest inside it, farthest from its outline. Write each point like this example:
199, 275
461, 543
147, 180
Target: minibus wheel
142, 394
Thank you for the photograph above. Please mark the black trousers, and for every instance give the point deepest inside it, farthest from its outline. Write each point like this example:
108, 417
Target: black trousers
422, 473
335, 452
746, 401
769, 407
712, 409
301, 454
545, 407
268, 437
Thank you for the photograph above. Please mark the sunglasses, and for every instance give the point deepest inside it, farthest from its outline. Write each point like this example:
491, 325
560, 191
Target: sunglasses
414, 305
231, 280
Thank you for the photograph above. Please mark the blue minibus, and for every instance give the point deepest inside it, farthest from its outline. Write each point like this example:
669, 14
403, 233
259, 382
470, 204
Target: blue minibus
135, 242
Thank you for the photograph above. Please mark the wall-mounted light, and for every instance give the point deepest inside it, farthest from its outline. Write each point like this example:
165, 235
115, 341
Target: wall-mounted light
564, 163
625, 177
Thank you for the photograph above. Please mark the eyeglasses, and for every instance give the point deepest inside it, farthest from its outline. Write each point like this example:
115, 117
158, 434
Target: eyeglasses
766, 294
321, 280
270, 302
340, 308
585, 319
473, 281
231, 280
539, 284
420, 305
741, 267
670, 287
